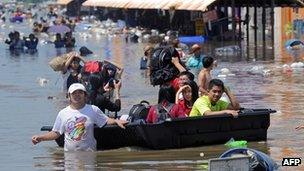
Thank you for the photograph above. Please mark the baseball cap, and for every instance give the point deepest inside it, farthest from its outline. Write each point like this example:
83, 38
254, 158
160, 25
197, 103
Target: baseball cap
76, 86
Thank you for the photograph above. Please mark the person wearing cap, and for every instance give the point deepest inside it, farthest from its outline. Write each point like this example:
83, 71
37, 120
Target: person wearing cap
145, 60
77, 121
195, 59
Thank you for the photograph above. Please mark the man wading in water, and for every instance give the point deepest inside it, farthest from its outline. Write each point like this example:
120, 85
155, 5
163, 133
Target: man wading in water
77, 121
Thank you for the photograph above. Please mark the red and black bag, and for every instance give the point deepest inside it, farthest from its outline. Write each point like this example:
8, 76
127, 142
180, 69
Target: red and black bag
92, 67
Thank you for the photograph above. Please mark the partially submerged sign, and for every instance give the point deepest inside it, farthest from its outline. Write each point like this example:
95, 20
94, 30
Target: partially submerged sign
229, 164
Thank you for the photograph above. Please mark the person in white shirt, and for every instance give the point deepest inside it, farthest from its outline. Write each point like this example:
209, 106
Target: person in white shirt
76, 122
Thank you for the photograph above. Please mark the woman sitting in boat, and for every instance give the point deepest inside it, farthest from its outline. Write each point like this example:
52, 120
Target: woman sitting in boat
160, 112
211, 104
183, 106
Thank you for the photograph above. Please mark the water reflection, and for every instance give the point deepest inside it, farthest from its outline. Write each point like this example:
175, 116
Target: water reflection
135, 158
80, 161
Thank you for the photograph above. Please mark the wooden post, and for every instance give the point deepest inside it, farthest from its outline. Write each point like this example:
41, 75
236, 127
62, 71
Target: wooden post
255, 24
240, 23
272, 23
226, 8
247, 22
225, 26
233, 19
264, 29
255, 30
264, 22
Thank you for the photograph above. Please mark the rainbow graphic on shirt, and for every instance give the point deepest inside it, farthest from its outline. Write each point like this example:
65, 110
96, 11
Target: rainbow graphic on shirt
75, 129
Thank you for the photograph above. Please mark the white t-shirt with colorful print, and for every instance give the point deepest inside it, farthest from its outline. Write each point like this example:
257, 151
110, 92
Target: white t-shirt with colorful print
78, 127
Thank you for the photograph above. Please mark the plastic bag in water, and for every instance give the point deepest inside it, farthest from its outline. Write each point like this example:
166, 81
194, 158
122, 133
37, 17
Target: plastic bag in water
236, 144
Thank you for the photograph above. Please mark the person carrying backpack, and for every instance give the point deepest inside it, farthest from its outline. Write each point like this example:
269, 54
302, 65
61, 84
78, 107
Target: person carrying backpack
165, 66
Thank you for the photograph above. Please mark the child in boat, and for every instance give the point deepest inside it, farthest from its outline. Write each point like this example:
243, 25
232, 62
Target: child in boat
160, 112
204, 75
211, 104
183, 106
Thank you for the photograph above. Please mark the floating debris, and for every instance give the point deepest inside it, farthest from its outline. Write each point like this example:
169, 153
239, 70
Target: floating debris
42, 81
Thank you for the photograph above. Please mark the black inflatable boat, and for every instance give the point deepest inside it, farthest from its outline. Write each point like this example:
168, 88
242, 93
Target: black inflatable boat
250, 125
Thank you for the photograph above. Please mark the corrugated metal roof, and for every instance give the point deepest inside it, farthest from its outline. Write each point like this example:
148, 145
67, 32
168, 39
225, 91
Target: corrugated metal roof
63, 2
200, 5
260, 3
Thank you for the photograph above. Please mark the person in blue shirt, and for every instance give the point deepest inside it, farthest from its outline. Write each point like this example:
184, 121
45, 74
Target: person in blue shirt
195, 60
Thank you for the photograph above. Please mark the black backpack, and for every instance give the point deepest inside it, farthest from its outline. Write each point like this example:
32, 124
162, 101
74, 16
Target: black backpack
139, 111
162, 69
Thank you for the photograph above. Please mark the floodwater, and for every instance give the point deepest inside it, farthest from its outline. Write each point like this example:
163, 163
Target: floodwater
31, 96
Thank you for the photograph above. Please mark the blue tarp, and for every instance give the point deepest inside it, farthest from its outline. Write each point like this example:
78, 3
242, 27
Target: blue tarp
257, 157
192, 39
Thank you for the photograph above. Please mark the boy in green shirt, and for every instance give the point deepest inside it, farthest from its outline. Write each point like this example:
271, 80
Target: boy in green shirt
211, 104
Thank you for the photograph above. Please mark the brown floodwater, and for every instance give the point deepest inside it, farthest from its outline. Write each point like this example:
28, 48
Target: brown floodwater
256, 76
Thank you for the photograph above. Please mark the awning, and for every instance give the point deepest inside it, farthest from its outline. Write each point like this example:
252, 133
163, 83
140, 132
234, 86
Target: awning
194, 5
199, 5
106, 3
63, 2
261, 3
153, 4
